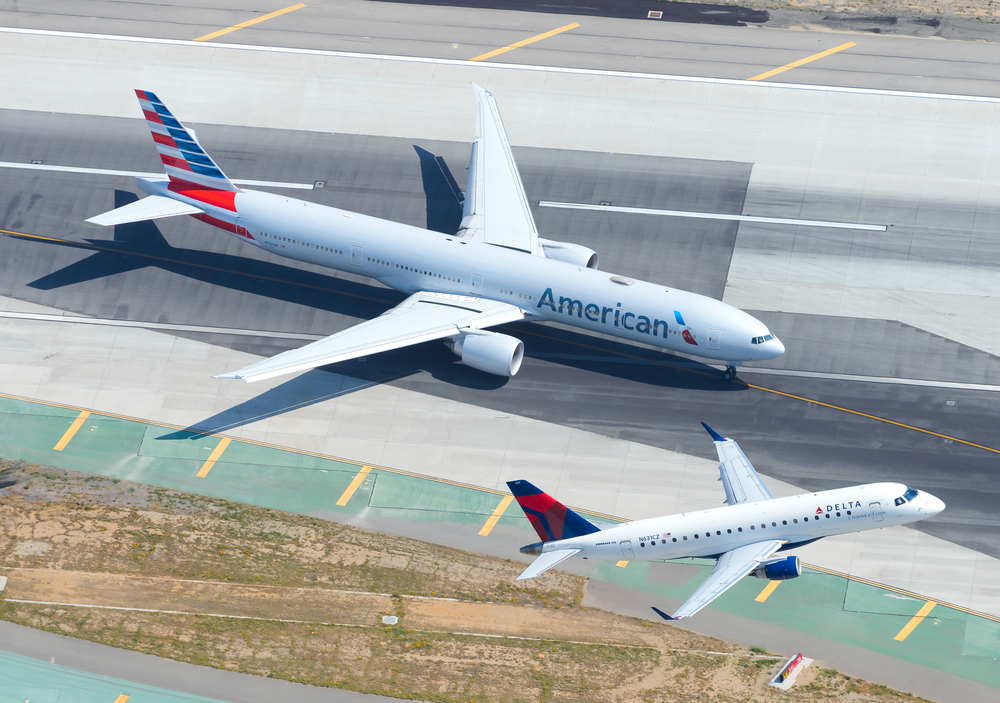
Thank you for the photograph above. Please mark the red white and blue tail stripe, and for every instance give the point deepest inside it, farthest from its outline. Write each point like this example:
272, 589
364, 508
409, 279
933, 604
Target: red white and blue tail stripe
182, 156
551, 519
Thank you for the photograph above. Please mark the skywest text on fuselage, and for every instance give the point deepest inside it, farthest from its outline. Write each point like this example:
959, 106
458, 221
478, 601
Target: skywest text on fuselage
597, 313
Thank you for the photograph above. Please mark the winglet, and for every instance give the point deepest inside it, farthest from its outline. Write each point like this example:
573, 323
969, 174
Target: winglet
657, 610
715, 435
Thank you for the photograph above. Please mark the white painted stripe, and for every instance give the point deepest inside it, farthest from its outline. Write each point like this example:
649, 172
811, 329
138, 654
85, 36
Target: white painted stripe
694, 365
520, 67
165, 326
870, 379
714, 216
177, 612
137, 174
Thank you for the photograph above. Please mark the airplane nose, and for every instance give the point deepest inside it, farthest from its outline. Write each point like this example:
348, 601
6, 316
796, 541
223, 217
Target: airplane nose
777, 347
935, 504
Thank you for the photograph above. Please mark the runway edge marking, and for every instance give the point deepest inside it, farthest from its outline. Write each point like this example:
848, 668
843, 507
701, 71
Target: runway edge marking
520, 67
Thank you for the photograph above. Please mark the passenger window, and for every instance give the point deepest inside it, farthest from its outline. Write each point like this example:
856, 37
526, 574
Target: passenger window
774, 524
685, 538
828, 516
729, 532
674, 539
739, 529
795, 521
752, 527
838, 514
784, 522
696, 535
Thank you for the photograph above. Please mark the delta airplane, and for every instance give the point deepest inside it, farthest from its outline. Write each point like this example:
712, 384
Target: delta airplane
742, 537
494, 271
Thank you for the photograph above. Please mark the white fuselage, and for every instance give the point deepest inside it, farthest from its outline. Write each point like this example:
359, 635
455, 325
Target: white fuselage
410, 259
795, 520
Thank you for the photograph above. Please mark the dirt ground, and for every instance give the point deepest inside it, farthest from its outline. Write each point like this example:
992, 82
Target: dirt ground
268, 593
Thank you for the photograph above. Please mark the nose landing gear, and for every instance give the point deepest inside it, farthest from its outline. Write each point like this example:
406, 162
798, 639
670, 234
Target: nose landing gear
730, 373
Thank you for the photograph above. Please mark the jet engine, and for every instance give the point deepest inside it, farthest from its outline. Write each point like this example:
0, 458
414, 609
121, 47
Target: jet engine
781, 570
499, 354
569, 253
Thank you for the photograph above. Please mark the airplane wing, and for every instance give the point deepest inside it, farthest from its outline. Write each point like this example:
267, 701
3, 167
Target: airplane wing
496, 210
545, 562
730, 568
422, 317
150, 208
742, 483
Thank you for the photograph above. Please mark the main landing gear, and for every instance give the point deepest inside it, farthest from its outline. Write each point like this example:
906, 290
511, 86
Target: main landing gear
730, 373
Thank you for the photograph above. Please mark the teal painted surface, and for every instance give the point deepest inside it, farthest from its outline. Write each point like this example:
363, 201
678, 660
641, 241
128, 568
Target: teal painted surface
982, 639
23, 678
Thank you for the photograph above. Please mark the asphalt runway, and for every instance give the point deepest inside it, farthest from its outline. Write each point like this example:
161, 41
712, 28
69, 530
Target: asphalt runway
181, 271
907, 63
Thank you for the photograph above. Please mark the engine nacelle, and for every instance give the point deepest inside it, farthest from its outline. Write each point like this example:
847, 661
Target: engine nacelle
787, 568
498, 354
569, 253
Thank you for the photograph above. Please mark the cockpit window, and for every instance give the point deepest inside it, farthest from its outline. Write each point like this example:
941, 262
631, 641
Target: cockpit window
768, 337
910, 493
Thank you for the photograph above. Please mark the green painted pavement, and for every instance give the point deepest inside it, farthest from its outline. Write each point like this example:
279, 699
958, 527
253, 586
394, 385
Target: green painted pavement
813, 603
26, 679
847, 611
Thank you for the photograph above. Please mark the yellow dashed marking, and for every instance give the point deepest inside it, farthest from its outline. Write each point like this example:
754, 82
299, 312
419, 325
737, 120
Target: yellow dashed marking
77, 424
768, 590
214, 457
916, 620
354, 485
497, 514
802, 62
248, 23
525, 42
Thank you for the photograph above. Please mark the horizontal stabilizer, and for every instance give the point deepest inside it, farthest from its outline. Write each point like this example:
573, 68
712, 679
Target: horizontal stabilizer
152, 208
545, 562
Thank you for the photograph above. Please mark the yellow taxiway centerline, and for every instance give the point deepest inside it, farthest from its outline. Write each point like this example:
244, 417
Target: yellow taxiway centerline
354, 486
248, 23
623, 563
802, 62
916, 620
214, 457
77, 424
122, 698
525, 42
497, 514
768, 590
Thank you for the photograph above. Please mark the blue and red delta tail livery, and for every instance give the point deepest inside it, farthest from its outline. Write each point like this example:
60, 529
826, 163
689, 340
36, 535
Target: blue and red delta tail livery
551, 519
182, 156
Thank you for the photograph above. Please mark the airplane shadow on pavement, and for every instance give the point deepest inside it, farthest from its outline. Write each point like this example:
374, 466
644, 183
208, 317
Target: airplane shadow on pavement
549, 349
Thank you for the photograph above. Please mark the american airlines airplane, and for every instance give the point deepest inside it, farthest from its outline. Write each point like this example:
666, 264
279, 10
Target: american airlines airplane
742, 537
494, 271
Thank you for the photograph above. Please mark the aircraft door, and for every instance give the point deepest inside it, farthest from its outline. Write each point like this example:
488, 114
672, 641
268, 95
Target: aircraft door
241, 227
357, 255
627, 552
714, 337
876, 509
476, 284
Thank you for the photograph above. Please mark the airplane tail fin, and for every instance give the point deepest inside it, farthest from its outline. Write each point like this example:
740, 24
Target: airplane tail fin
551, 519
186, 163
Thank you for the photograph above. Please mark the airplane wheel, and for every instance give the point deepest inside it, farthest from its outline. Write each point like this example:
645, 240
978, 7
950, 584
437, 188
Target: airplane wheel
729, 374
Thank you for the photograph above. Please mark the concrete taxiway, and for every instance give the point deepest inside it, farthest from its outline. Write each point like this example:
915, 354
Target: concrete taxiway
606, 426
